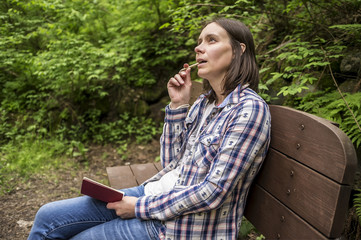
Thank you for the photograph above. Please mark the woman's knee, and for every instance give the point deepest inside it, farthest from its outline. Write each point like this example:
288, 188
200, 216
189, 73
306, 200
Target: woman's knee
46, 211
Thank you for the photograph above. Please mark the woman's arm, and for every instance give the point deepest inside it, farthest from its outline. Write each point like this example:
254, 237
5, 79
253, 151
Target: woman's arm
179, 90
173, 134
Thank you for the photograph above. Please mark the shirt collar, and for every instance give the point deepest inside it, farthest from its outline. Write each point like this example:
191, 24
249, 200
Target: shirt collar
233, 97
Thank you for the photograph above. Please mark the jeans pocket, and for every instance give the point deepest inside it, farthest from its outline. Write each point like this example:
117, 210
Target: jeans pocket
154, 227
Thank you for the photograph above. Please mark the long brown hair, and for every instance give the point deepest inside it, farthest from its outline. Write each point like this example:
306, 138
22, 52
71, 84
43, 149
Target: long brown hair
243, 68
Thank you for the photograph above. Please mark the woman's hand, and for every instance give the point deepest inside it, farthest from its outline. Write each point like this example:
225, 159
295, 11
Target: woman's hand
179, 88
124, 208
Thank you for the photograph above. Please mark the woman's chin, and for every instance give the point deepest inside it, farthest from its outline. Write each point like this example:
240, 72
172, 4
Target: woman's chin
201, 73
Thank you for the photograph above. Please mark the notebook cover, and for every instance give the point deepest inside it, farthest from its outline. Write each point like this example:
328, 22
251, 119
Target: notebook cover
100, 191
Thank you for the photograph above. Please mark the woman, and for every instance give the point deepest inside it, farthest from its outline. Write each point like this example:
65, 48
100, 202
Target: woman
210, 156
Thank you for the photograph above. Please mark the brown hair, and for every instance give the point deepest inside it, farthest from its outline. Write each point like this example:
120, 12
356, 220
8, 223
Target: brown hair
243, 68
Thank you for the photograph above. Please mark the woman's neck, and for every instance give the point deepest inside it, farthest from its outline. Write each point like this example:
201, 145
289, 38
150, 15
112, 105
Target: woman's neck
218, 90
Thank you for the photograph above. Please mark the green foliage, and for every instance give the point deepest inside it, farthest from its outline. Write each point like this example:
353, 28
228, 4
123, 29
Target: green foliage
300, 65
247, 228
26, 157
77, 149
122, 149
357, 204
68, 66
140, 129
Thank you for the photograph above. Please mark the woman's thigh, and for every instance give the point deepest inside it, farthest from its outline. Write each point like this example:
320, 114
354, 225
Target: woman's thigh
130, 229
66, 218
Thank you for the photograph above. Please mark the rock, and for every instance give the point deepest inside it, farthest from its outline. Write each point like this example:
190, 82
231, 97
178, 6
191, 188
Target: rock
351, 63
141, 108
157, 110
348, 86
325, 83
137, 107
154, 93
25, 224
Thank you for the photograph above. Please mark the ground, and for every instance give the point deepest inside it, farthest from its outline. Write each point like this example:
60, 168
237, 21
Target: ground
18, 208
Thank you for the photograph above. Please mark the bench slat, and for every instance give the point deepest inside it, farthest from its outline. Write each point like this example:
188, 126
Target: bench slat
278, 222
306, 192
121, 177
158, 165
143, 172
313, 141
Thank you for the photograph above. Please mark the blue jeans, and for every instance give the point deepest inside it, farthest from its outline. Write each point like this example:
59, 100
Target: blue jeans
85, 218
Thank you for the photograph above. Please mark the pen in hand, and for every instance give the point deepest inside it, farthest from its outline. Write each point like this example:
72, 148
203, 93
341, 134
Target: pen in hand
191, 66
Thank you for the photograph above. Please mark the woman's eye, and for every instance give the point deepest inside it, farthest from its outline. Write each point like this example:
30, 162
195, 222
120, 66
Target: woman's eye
212, 40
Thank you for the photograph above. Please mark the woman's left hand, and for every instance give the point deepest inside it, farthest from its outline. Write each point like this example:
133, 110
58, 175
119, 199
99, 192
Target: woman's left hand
124, 208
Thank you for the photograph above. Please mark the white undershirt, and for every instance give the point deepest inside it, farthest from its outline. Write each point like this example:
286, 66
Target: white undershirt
167, 182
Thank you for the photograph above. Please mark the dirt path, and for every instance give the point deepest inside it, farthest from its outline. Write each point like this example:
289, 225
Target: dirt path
18, 208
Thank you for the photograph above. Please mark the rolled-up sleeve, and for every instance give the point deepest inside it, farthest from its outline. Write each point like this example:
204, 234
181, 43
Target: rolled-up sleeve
172, 136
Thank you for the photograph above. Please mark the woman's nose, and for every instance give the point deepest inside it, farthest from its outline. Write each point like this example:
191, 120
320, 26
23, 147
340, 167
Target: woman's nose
199, 48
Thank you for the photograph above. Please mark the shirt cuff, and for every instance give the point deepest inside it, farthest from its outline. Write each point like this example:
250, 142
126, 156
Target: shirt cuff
181, 106
141, 208
175, 115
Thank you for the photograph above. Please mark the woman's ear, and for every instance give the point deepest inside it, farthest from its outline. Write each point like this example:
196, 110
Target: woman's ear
243, 46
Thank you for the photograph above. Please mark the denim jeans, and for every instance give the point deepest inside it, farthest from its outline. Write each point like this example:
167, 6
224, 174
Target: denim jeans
85, 218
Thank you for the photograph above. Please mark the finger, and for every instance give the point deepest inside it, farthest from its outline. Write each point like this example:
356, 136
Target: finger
183, 74
187, 78
173, 82
110, 205
185, 67
179, 78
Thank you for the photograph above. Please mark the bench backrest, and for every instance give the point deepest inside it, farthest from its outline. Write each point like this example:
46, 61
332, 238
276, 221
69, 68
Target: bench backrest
303, 188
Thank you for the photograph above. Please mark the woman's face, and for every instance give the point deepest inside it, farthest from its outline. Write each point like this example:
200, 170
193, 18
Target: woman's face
213, 53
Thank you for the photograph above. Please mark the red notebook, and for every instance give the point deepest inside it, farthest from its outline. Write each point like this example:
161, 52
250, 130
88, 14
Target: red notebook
100, 191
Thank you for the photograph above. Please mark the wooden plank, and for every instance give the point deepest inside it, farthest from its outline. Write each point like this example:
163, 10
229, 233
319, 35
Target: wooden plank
274, 220
158, 166
143, 172
314, 197
315, 142
121, 177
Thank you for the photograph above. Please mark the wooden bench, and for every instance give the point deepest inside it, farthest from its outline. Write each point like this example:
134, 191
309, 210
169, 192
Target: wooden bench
303, 188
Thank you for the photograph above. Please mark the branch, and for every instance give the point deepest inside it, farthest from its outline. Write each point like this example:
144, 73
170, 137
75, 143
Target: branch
209, 5
280, 46
334, 80
10, 72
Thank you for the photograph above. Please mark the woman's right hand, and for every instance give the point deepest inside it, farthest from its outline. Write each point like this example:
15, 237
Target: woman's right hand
179, 88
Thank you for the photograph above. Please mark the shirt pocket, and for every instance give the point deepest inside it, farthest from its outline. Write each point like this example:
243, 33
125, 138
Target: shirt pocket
208, 148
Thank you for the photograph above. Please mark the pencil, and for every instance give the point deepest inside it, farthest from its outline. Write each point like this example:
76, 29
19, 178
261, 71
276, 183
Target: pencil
191, 66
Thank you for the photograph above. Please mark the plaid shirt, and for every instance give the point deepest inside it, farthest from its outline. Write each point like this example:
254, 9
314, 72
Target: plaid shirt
217, 168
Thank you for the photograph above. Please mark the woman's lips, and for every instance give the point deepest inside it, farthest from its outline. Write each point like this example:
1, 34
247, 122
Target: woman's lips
201, 63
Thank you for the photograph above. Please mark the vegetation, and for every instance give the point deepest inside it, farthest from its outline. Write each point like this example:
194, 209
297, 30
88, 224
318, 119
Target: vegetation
79, 72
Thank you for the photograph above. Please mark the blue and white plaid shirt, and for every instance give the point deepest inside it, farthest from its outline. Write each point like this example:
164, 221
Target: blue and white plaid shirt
217, 168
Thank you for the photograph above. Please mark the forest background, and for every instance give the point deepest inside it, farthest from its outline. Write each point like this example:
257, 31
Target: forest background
76, 73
